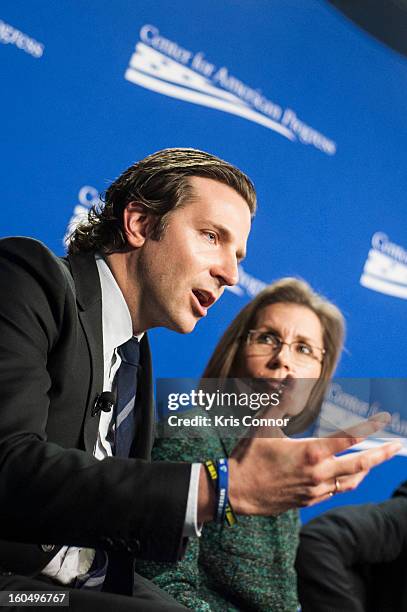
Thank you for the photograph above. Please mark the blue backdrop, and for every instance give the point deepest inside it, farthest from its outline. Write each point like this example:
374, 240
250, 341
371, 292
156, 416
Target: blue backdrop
310, 106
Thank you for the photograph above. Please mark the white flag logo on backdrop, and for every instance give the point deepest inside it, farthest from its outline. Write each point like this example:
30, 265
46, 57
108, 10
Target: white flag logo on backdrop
154, 70
161, 65
385, 270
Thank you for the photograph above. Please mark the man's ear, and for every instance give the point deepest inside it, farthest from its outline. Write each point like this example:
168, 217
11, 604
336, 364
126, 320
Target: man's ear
136, 223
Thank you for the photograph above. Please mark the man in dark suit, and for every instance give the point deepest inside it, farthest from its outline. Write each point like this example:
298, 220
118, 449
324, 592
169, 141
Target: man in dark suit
158, 253
354, 558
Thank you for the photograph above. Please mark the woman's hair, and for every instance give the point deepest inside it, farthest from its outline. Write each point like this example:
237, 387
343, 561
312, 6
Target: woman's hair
224, 359
160, 182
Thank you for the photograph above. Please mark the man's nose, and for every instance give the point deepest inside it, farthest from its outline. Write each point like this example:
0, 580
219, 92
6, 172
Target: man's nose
227, 271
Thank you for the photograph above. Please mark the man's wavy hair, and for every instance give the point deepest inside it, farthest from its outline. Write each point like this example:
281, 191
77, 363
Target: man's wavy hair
160, 182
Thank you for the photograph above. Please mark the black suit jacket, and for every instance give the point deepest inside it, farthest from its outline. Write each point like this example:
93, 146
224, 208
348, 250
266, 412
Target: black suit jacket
354, 558
52, 489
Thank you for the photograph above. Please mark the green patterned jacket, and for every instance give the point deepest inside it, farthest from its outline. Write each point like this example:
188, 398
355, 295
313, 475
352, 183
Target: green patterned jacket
248, 567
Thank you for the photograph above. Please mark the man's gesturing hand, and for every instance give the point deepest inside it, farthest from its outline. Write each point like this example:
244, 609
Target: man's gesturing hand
270, 475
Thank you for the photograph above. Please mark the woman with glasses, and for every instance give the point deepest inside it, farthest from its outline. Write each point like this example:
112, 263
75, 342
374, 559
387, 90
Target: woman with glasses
288, 334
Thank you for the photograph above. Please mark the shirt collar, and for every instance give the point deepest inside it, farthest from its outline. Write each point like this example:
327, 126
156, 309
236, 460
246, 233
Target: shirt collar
116, 319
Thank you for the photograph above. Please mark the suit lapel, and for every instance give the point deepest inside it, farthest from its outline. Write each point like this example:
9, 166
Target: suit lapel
89, 301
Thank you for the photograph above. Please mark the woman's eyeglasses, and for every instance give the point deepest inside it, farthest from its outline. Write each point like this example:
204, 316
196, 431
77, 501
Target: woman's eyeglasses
268, 343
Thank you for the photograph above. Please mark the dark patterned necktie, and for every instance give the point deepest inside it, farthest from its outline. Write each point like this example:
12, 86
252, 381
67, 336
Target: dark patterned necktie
124, 430
126, 389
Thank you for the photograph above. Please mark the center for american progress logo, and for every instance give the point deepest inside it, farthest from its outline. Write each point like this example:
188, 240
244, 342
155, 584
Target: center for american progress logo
385, 269
164, 66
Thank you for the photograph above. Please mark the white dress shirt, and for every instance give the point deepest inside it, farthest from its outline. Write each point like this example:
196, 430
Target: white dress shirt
71, 562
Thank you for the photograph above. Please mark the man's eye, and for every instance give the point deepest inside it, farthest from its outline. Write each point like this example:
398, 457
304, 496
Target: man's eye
211, 236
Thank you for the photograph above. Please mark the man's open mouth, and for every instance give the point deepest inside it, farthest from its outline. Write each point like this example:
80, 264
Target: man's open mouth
205, 298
